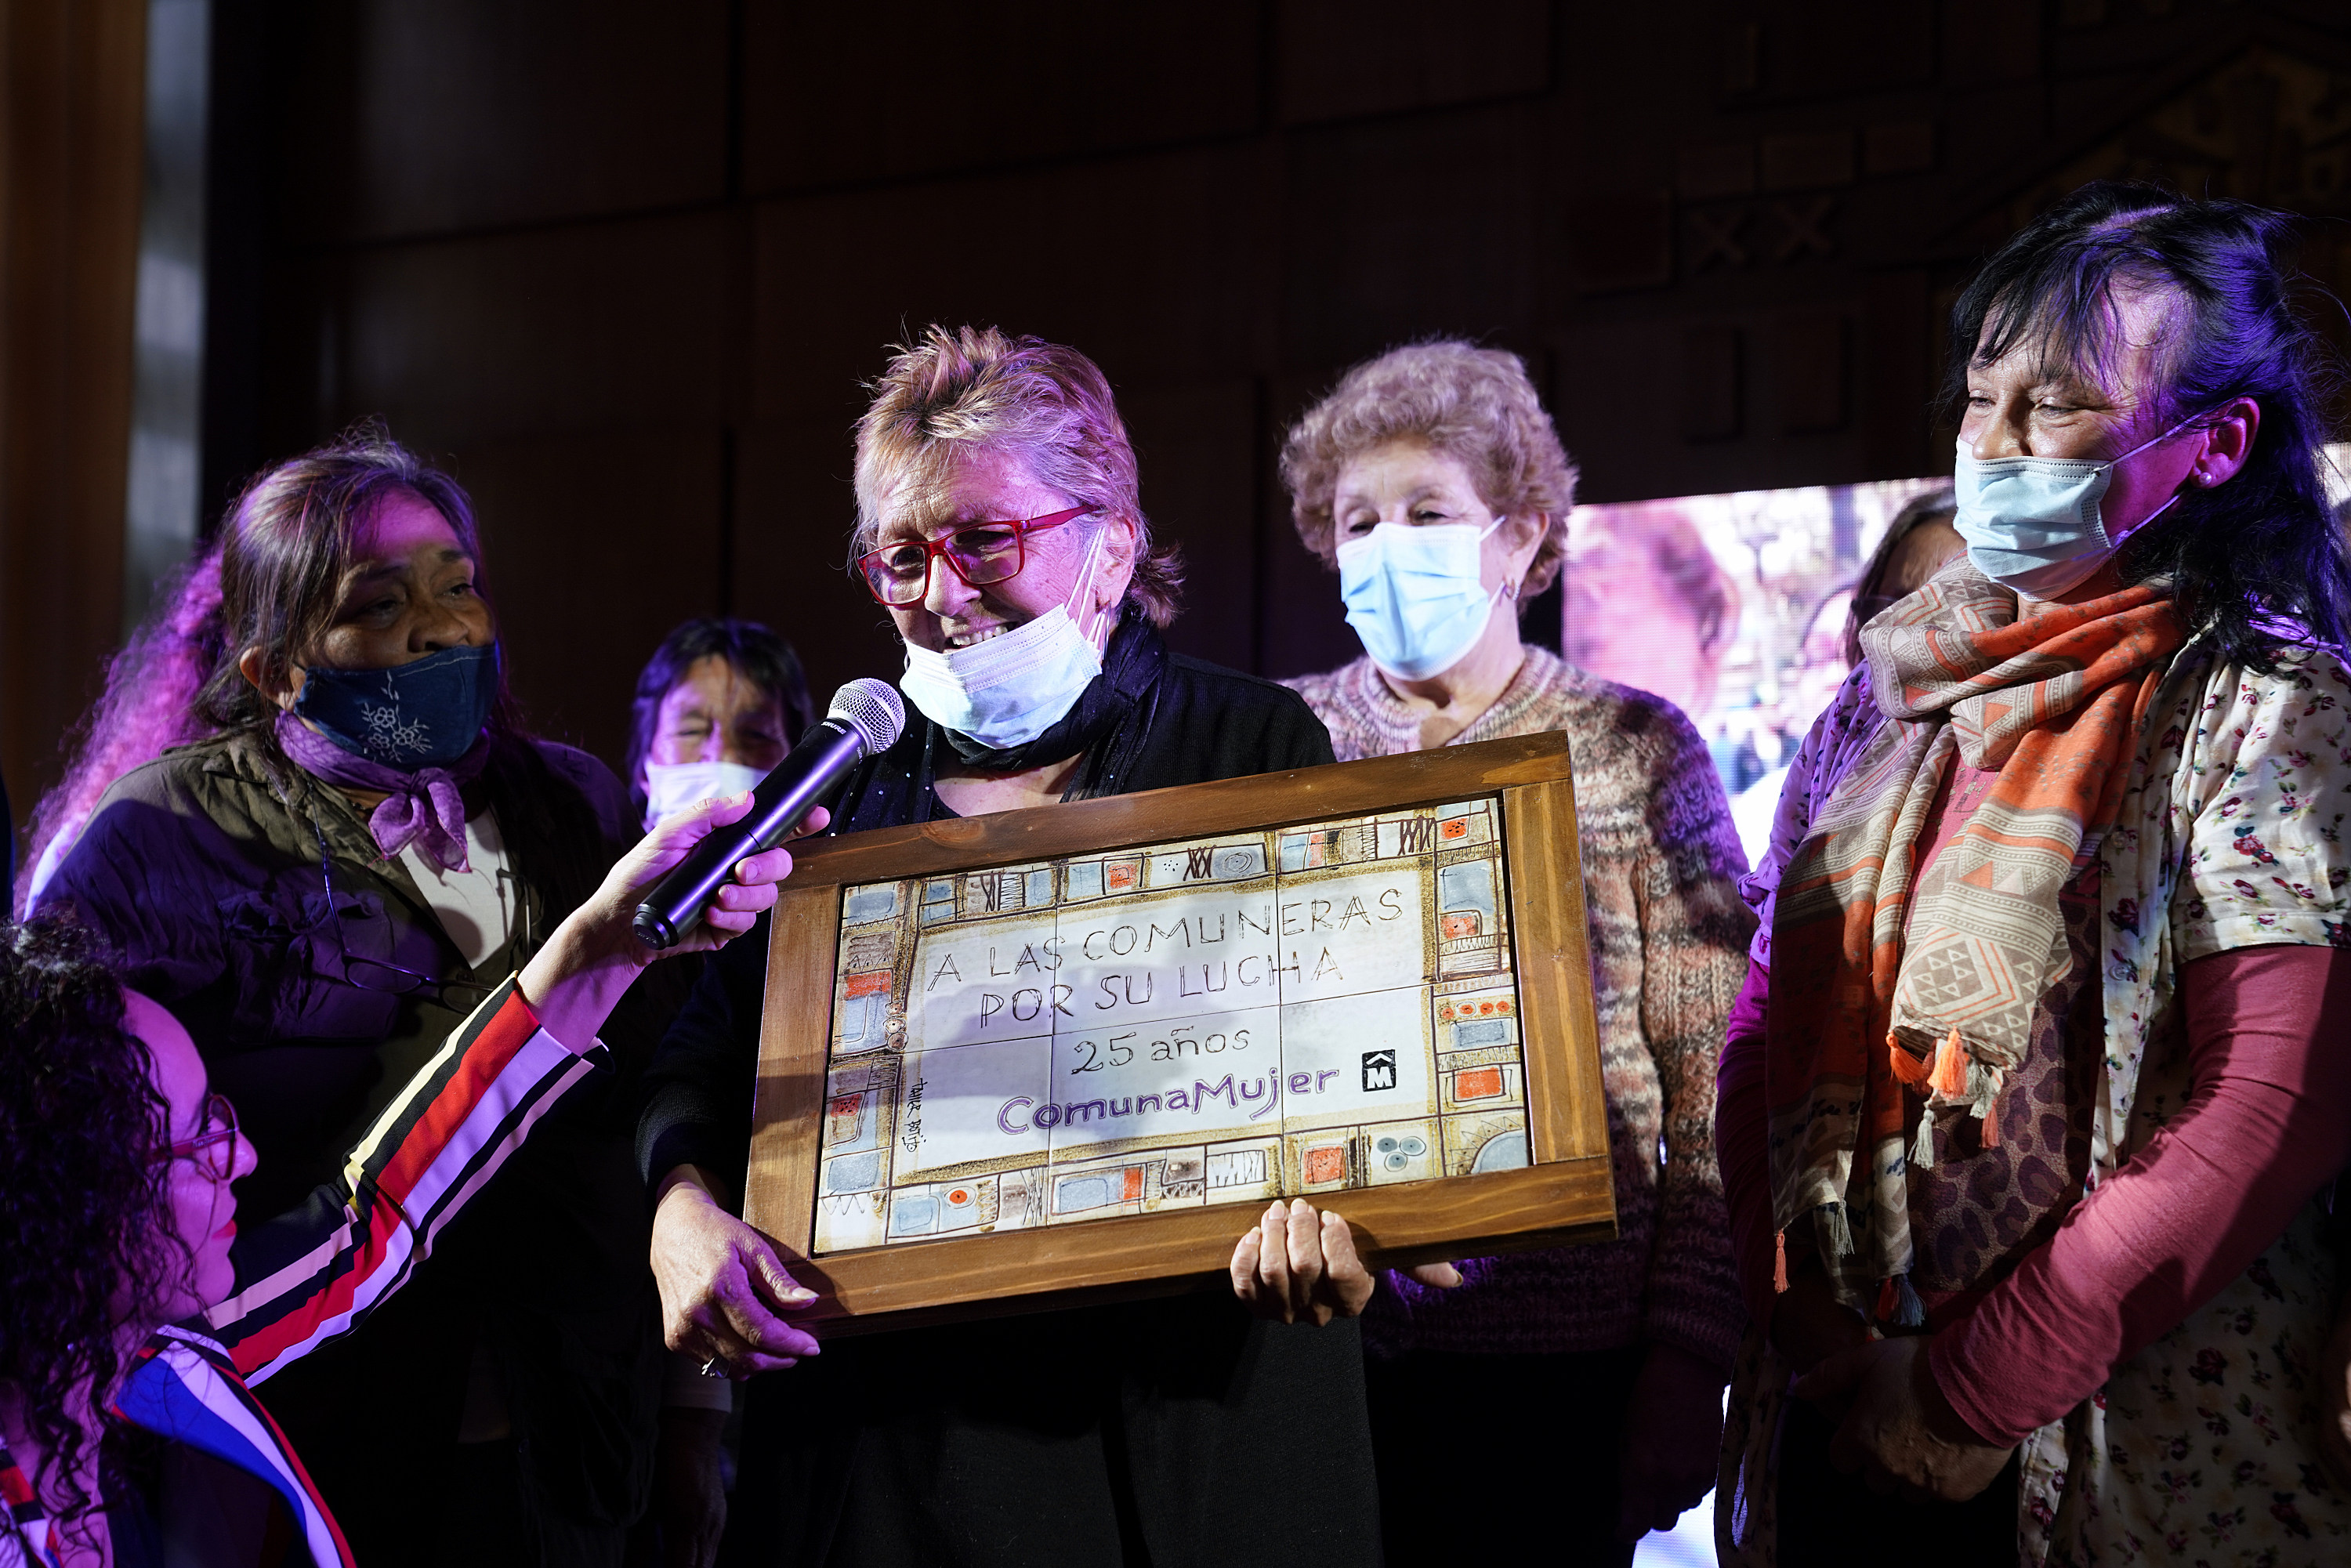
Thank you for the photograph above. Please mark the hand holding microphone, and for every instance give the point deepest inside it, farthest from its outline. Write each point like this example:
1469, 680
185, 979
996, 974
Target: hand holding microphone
865, 718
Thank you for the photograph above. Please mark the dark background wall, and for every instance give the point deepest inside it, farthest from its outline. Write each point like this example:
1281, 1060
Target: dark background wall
623, 266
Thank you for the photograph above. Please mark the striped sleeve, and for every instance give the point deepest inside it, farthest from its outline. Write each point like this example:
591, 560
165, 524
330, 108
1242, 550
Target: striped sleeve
184, 1388
310, 1276
28, 1542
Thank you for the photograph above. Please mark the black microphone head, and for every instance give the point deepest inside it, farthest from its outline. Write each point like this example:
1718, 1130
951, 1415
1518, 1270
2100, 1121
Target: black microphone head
874, 710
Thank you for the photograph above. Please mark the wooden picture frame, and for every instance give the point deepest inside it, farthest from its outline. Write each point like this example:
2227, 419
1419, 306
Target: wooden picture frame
1562, 1192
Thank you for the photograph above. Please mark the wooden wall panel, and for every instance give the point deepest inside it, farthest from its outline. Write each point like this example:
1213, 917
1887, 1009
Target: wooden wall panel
596, 543
1302, 626
1343, 59
1143, 262
72, 90
836, 95
578, 328
1197, 447
416, 117
1817, 49
793, 512
1397, 229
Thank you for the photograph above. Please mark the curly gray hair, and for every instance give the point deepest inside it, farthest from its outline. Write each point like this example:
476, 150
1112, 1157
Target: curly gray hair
1475, 406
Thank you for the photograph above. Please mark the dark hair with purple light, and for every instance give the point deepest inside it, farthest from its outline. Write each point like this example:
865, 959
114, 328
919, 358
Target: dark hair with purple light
85, 1211
291, 539
2261, 548
148, 706
761, 657
1871, 591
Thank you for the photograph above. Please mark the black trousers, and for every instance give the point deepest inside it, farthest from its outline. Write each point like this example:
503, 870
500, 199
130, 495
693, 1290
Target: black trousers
1177, 1433
1501, 1458
1833, 1520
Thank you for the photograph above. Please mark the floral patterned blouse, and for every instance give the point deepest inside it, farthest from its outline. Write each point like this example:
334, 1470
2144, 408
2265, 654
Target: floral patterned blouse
2201, 1448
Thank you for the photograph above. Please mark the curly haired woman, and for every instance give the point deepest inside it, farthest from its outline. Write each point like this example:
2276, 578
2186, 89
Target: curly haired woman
135, 1315
1433, 480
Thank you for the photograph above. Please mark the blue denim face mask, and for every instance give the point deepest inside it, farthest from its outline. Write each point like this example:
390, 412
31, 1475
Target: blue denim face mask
2032, 522
426, 714
1417, 596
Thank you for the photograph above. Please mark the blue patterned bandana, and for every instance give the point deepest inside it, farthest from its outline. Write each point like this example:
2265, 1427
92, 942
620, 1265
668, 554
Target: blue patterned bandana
427, 714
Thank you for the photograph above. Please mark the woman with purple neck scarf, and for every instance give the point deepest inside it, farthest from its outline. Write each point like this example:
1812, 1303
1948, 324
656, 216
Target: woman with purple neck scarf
366, 845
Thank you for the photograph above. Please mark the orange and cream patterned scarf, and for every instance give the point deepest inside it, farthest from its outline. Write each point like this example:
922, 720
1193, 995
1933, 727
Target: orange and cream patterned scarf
1885, 983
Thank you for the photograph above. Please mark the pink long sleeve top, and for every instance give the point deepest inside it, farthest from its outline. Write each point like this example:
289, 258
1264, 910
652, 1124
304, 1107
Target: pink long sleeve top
2268, 1122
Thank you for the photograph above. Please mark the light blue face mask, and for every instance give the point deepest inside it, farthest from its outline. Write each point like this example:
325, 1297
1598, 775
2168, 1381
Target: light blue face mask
1417, 596
2032, 522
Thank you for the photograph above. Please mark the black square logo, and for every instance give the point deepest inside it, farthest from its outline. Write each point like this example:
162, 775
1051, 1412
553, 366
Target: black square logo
1379, 1070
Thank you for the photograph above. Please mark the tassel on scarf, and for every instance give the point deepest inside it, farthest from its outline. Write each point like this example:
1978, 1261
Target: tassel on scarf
1922, 1152
1835, 1238
1990, 1112
1780, 1262
1908, 1309
1907, 1069
1950, 1075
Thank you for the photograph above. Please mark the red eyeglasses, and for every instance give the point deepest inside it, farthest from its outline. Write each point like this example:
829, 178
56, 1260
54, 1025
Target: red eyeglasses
214, 1148
981, 553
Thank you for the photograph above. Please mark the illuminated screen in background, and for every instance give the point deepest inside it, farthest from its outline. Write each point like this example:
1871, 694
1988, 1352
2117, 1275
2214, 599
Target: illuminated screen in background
1734, 607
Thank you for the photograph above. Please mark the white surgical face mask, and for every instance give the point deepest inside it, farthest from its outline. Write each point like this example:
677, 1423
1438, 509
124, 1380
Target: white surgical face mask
1015, 686
673, 786
2032, 522
1417, 596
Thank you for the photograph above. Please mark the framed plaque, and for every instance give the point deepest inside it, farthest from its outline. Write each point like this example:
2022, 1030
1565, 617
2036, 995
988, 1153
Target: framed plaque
1042, 1057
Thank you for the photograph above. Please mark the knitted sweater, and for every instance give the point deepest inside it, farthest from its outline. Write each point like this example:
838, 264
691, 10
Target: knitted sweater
1670, 934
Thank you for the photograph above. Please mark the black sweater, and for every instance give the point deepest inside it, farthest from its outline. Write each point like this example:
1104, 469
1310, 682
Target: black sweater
1197, 722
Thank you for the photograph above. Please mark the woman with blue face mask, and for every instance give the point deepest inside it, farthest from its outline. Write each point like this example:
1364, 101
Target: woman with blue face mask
364, 846
1000, 527
2032, 1097
1433, 481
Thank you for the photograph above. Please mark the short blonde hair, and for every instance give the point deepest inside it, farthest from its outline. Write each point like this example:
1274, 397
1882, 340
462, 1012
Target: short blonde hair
1475, 406
962, 394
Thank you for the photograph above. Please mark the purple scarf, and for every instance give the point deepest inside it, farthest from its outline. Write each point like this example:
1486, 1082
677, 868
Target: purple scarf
423, 807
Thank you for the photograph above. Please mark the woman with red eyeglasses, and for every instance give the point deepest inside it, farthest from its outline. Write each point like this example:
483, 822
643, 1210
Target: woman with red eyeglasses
135, 1317
999, 523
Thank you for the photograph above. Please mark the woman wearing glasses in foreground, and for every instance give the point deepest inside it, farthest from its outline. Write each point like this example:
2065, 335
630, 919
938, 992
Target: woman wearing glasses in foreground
135, 1313
366, 846
999, 523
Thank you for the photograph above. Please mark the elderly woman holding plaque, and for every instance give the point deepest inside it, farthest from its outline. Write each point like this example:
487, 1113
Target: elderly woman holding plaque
999, 525
1432, 480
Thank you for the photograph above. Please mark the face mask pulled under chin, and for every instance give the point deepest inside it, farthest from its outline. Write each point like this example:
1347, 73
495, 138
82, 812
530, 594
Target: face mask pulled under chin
1016, 685
2033, 524
1418, 596
672, 787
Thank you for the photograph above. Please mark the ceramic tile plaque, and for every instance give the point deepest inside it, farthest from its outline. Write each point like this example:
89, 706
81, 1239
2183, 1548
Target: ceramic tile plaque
1038, 1043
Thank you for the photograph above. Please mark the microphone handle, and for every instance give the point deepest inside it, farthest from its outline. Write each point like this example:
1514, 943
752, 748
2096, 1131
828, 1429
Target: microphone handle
678, 901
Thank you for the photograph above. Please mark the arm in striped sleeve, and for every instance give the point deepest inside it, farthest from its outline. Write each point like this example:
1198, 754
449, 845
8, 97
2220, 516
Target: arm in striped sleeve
310, 1275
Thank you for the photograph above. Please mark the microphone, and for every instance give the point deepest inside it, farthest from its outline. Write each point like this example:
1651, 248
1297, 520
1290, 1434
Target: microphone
866, 717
